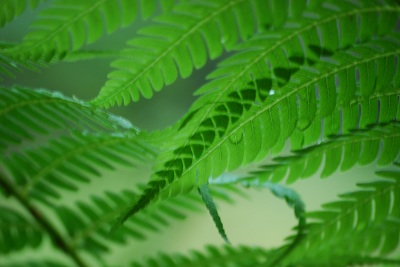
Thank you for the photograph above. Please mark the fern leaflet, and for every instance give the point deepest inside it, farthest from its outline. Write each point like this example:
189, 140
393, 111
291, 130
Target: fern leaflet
351, 226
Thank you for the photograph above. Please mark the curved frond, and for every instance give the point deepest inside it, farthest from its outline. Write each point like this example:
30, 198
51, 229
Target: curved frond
179, 42
9, 9
88, 226
360, 224
239, 256
248, 125
68, 161
67, 25
26, 113
380, 143
17, 232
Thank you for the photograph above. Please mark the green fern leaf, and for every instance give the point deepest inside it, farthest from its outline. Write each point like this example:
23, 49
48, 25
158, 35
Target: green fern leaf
220, 139
88, 225
9, 9
180, 41
26, 114
361, 223
340, 152
77, 158
17, 232
66, 25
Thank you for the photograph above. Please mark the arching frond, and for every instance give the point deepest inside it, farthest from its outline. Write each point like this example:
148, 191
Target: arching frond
361, 223
26, 113
381, 143
9, 9
88, 226
250, 123
179, 42
17, 232
68, 161
239, 256
67, 25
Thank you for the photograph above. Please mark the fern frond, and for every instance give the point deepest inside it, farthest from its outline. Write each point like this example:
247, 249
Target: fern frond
88, 226
89, 223
26, 113
179, 42
67, 25
379, 143
361, 223
247, 126
65, 162
241, 256
9, 9
17, 232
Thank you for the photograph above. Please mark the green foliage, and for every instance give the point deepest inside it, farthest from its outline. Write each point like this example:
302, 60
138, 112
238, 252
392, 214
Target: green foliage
313, 86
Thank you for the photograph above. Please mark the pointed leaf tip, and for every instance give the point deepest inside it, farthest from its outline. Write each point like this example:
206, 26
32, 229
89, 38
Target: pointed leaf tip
205, 193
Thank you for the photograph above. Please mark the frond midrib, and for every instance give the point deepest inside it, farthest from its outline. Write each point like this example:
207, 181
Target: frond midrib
265, 108
172, 46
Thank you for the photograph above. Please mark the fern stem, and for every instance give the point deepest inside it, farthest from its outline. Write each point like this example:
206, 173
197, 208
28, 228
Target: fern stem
54, 234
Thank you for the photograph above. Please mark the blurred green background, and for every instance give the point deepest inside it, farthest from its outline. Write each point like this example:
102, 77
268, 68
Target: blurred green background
258, 220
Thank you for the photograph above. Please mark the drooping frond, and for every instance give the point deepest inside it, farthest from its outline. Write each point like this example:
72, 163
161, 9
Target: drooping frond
247, 125
26, 113
89, 225
179, 42
239, 256
17, 232
360, 224
380, 143
67, 25
9, 9
68, 161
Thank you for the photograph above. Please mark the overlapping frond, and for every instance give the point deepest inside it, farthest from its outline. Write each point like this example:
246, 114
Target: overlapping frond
254, 120
380, 144
89, 225
26, 113
9, 9
360, 224
239, 256
17, 232
179, 42
68, 161
66, 25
